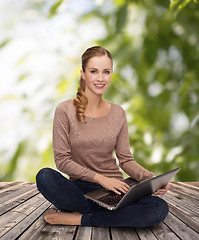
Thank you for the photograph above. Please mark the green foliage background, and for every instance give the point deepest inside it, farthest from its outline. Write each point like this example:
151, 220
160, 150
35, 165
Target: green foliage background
155, 47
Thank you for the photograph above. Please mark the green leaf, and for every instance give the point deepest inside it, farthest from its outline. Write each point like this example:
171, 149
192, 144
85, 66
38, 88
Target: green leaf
4, 43
23, 76
120, 3
177, 5
54, 8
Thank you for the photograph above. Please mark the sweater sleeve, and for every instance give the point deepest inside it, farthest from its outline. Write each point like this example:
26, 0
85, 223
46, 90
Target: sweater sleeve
126, 160
62, 149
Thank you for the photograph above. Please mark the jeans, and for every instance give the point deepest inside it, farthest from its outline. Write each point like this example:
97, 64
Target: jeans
68, 196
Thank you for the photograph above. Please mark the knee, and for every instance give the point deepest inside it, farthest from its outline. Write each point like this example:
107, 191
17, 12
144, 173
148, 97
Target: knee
42, 176
43, 173
161, 209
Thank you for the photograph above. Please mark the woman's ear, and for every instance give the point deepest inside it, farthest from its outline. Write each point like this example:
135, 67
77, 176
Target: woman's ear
82, 74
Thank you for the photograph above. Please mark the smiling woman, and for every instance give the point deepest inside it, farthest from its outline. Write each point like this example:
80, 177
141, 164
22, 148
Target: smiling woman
83, 149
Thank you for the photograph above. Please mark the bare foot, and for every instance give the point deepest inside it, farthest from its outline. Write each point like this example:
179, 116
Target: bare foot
63, 218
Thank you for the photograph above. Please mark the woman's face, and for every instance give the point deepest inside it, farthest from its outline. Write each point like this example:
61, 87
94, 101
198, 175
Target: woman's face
97, 74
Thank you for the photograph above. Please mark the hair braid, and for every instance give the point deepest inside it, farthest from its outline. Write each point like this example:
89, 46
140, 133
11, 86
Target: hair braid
81, 101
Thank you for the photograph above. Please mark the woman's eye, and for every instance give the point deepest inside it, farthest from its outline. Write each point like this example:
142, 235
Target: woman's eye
93, 71
107, 72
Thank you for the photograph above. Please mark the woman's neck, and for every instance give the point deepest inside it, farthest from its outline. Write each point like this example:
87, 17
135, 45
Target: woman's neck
94, 102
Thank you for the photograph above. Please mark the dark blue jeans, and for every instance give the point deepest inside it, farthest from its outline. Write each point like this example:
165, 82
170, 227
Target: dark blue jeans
68, 196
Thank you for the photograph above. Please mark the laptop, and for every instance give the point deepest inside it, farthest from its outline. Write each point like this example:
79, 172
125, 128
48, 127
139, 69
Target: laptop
138, 190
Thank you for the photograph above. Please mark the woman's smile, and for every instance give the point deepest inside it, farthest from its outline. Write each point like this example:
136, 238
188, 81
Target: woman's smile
100, 86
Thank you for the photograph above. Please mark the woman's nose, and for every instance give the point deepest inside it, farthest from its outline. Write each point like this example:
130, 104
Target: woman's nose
100, 77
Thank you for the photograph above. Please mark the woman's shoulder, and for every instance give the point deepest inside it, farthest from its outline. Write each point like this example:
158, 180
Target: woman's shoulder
66, 107
65, 104
118, 109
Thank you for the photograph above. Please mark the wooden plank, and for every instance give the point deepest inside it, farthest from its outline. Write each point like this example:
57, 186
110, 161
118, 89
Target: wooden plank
19, 213
34, 230
101, 233
50, 232
19, 228
9, 189
83, 233
15, 201
190, 192
124, 234
184, 197
182, 203
161, 231
185, 218
181, 229
4, 185
187, 186
40, 230
145, 234
18, 192
183, 214
193, 183
182, 206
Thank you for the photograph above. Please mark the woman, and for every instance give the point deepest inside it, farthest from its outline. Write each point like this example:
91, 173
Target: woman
86, 131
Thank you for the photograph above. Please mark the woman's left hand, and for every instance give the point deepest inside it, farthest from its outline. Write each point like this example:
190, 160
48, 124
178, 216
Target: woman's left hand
162, 191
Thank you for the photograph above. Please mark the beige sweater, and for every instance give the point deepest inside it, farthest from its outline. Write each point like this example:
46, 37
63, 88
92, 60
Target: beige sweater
82, 150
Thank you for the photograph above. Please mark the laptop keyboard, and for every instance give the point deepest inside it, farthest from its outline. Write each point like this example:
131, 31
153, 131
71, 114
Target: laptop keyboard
111, 198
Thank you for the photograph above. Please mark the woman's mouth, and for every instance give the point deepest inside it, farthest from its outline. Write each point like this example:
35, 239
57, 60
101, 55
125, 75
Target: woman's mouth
99, 85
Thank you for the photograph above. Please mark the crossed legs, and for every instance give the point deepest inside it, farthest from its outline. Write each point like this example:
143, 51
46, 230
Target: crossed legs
75, 209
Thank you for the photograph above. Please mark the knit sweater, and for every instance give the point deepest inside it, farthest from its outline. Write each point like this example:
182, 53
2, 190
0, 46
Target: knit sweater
83, 149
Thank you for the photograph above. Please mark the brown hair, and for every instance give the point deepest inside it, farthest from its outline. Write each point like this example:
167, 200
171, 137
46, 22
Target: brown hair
81, 101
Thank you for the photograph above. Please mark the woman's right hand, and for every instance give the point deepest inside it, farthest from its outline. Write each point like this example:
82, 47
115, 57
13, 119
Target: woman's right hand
111, 184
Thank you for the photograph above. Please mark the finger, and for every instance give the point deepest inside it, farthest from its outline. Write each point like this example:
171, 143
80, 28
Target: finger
161, 192
126, 186
167, 186
165, 189
123, 184
158, 193
124, 190
115, 190
118, 189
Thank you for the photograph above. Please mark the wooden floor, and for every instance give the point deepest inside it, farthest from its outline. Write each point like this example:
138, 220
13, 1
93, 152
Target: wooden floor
22, 208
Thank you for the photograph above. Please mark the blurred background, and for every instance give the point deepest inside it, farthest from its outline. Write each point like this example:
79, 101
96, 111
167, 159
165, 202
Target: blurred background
155, 47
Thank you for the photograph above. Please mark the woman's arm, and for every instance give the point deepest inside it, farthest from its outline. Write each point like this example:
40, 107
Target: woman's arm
125, 157
62, 148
